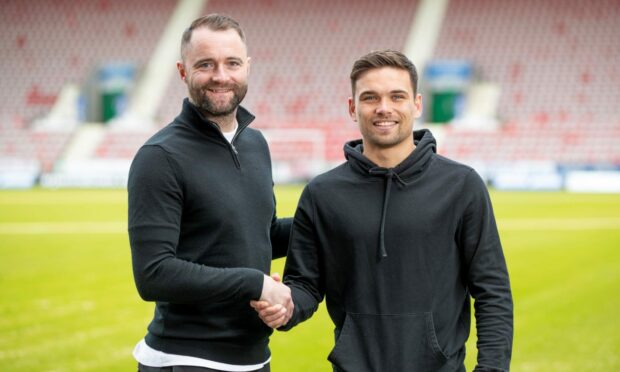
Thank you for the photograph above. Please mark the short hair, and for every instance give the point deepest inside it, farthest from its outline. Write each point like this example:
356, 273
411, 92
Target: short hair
214, 22
384, 58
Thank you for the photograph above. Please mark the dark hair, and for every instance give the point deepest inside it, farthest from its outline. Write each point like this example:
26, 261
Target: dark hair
384, 58
214, 22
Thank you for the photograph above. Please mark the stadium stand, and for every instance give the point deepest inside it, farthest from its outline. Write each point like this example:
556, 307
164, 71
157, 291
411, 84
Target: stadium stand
557, 65
301, 60
555, 60
41, 145
569, 144
47, 44
121, 144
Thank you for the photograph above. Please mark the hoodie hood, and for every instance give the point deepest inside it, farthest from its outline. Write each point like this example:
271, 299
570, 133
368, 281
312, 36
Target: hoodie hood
403, 173
425, 147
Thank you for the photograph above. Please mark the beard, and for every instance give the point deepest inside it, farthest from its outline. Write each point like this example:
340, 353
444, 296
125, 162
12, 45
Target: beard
217, 108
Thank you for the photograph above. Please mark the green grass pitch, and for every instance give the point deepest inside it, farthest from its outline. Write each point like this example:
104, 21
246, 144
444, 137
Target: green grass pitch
68, 302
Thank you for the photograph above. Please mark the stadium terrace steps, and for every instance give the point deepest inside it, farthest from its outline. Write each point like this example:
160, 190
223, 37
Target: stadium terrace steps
44, 146
122, 144
47, 44
555, 60
301, 60
557, 63
573, 144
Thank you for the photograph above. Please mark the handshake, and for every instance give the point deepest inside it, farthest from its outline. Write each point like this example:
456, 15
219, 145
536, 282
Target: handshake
275, 306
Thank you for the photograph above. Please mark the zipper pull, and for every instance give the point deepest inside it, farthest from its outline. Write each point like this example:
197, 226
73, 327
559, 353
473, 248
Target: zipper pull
234, 148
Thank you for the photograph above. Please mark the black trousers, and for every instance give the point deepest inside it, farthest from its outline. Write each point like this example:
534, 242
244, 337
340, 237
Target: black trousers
143, 368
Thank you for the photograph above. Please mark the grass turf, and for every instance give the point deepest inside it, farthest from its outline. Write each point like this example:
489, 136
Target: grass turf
68, 303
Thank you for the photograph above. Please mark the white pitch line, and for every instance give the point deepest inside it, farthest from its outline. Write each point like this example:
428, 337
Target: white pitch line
598, 223
120, 227
76, 227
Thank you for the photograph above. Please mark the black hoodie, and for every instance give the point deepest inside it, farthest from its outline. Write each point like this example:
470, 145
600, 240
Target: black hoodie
397, 253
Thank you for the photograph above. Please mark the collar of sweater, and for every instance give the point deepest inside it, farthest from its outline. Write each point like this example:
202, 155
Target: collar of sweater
191, 116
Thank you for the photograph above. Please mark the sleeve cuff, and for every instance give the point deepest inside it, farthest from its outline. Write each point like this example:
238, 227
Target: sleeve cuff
253, 285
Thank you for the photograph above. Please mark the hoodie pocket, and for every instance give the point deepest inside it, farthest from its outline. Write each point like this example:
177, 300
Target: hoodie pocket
388, 343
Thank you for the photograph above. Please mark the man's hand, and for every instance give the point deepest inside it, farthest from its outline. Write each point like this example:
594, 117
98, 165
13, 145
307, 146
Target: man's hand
275, 306
274, 316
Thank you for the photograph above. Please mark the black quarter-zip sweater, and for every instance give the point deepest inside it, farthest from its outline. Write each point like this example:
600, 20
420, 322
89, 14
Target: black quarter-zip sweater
203, 231
398, 253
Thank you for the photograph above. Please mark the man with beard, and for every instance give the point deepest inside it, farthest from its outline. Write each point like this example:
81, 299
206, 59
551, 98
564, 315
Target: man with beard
202, 222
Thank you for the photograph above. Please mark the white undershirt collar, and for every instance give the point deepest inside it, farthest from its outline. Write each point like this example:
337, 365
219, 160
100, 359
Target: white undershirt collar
230, 135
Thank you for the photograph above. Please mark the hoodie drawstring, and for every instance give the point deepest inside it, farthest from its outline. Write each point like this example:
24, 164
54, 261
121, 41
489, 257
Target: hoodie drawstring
386, 199
389, 175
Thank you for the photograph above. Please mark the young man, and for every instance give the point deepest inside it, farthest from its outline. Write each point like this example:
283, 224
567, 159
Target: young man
398, 239
202, 222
